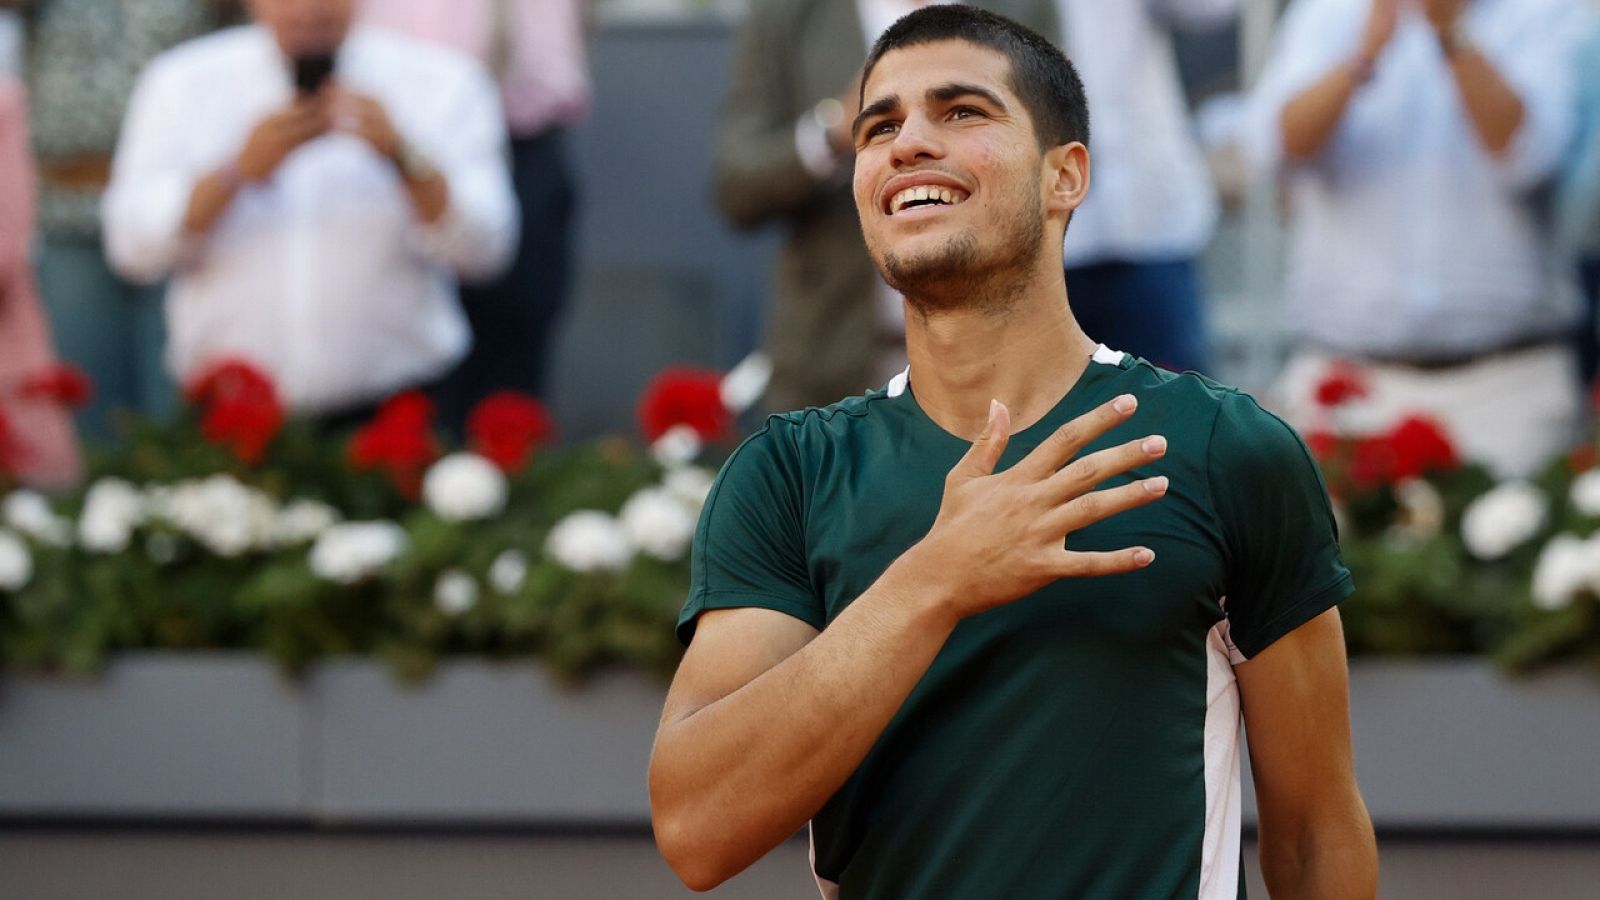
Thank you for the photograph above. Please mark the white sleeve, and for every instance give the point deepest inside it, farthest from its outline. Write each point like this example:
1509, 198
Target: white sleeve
1540, 63
1313, 36
145, 203
477, 235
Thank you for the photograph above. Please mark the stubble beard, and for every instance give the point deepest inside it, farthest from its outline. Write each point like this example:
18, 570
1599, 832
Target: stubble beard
958, 276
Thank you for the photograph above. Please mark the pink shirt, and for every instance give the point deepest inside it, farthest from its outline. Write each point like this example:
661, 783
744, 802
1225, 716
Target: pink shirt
539, 63
48, 444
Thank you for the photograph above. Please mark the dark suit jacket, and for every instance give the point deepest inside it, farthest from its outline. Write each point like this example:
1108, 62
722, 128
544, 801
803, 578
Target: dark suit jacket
822, 328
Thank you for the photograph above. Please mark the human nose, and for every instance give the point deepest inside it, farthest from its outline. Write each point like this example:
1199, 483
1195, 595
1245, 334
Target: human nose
915, 139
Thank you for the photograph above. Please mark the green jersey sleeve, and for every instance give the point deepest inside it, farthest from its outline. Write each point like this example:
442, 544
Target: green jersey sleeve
750, 546
1283, 561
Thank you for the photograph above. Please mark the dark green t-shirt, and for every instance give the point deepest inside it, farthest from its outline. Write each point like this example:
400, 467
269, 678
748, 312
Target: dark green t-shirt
1083, 741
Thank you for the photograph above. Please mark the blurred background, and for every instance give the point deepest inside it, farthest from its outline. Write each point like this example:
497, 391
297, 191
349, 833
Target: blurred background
363, 364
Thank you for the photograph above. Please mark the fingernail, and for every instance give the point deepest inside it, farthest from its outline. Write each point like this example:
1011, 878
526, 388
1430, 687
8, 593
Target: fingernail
994, 406
1125, 404
1143, 556
1155, 445
1156, 485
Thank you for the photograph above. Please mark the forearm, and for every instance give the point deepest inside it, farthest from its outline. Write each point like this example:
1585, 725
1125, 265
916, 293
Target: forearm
1493, 107
211, 197
430, 197
737, 777
1310, 118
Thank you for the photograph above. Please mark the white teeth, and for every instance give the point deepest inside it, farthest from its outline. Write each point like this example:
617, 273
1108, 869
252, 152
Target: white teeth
924, 192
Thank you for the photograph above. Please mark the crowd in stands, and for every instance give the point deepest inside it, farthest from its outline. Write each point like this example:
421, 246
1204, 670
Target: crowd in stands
369, 196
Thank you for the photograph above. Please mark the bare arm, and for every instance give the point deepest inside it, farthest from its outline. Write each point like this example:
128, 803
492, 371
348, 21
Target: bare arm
1492, 105
767, 718
1311, 117
1316, 836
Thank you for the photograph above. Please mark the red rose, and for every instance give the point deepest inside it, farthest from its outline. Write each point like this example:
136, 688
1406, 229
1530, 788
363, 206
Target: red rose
399, 441
239, 407
62, 384
1421, 446
506, 426
1373, 462
1323, 445
683, 396
1342, 384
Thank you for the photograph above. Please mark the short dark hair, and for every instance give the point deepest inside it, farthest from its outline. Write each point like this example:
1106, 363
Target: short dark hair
1041, 76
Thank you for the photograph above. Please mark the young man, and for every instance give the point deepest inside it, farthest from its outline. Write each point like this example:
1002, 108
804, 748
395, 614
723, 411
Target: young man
888, 637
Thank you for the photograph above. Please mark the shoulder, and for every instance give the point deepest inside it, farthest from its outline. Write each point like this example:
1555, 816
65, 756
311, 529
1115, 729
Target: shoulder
209, 56
396, 51
1222, 427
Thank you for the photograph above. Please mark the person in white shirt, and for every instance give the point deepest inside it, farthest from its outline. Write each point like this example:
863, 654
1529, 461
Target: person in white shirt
317, 230
1131, 259
1415, 136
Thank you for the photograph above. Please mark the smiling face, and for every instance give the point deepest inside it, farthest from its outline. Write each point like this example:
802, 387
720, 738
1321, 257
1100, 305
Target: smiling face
952, 188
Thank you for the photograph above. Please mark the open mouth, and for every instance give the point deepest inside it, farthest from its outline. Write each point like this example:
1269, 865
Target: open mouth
925, 195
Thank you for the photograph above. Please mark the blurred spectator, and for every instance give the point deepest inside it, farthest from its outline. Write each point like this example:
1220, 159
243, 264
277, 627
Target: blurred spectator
1580, 206
783, 154
83, 57
314, 230
1415, 135
40, 440
535, 50
1130, 253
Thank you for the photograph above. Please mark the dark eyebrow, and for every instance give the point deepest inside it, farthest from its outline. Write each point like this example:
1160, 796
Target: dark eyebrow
944, 93
878, 107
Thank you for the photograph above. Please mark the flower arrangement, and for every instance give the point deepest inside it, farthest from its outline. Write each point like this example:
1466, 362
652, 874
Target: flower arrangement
240, 526
1446, 558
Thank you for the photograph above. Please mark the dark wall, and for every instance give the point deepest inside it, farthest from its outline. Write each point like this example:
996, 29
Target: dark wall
661, 279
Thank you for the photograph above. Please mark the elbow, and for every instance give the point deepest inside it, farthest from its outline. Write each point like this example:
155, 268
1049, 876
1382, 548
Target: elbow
682, 837
689, 857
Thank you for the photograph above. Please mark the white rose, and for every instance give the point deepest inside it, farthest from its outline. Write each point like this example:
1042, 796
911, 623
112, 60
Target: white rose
302, 521
1585, 493
455, 592
1503, 519
225, 516
1566, 565
508, 571
350, 551
691, 484
30, 513
463, 487
589, 541
111, 511
678, 446
658, 523
16, 563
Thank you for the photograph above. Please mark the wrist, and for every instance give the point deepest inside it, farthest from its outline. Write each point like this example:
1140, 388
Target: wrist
936, 600
230, 178
414, 165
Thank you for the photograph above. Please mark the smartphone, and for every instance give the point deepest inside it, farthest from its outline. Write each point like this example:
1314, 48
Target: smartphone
311, 72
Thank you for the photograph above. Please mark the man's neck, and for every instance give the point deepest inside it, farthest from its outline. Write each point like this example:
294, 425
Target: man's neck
1027, 357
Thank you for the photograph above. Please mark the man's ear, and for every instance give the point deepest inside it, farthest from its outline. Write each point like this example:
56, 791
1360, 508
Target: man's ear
1066, 177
